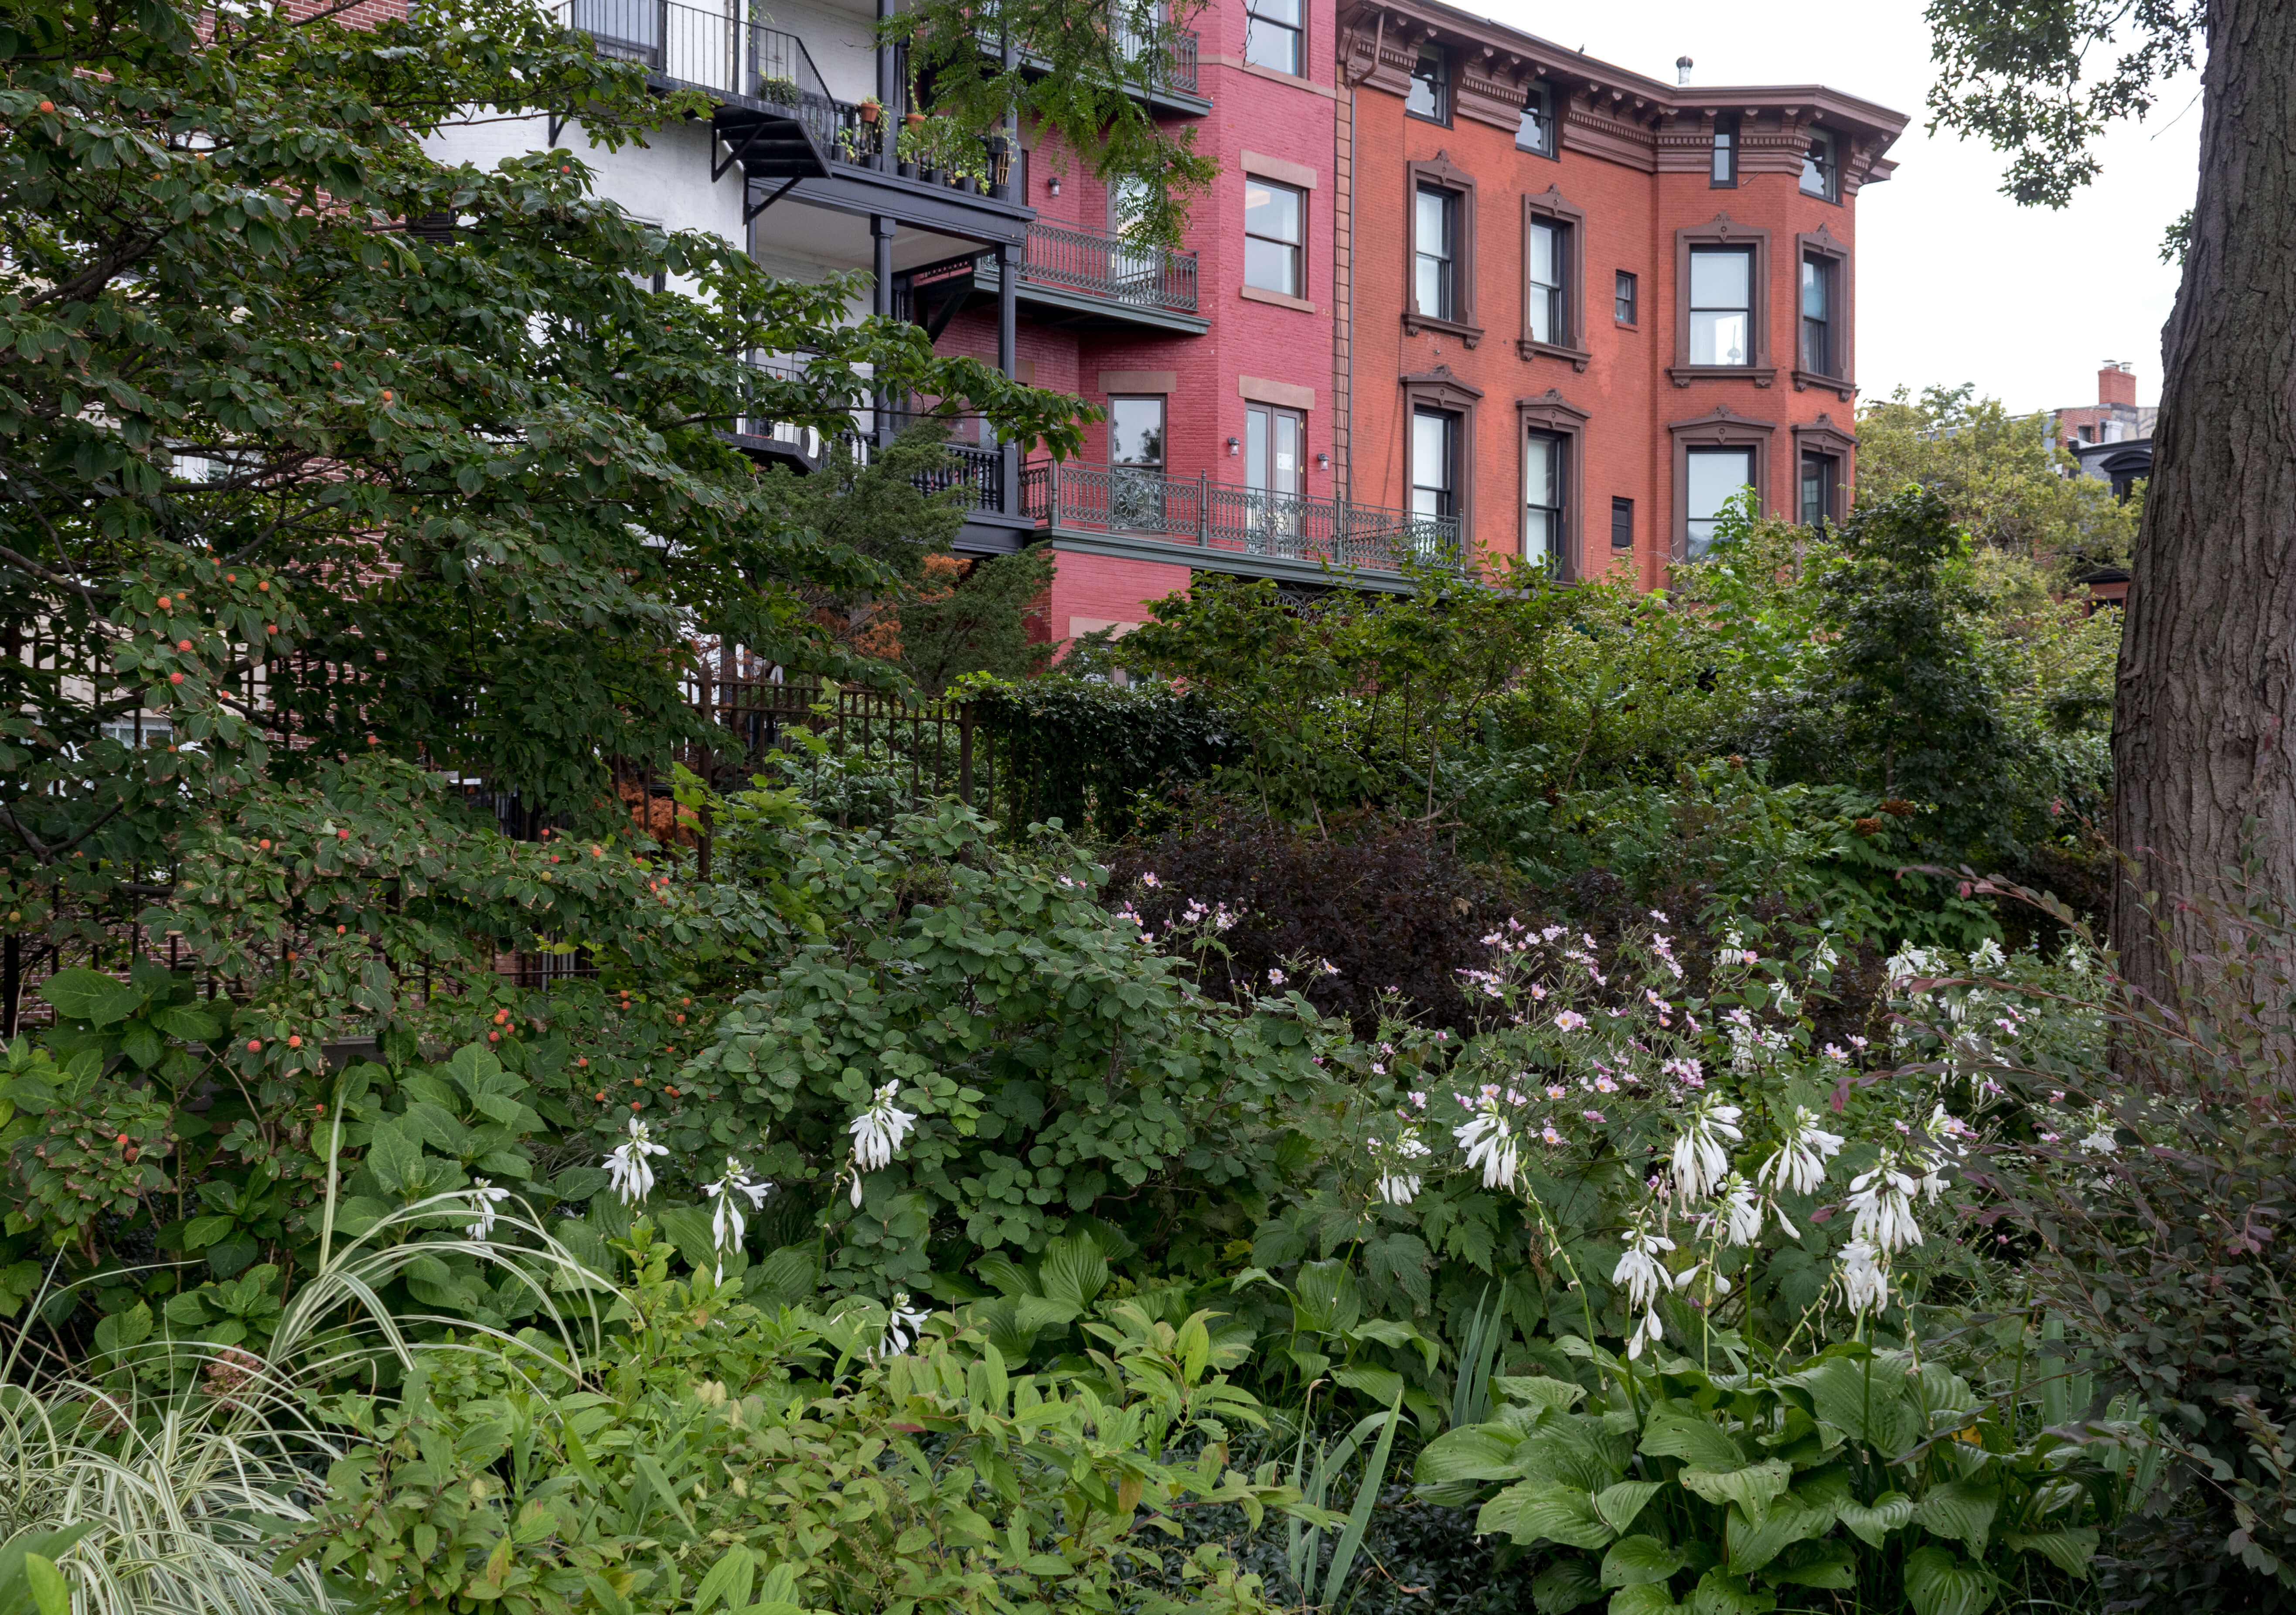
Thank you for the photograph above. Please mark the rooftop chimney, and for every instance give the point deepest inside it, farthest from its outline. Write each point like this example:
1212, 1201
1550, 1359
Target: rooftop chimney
2116, 383
1682, 66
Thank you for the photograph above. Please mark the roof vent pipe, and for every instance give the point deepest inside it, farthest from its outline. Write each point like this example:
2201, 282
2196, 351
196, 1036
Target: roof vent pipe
1682, 66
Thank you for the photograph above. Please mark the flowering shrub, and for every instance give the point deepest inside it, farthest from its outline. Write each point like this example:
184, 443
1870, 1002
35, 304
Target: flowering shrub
1684, 1159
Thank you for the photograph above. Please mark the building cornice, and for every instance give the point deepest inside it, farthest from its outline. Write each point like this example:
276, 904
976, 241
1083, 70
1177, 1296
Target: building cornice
1608, 111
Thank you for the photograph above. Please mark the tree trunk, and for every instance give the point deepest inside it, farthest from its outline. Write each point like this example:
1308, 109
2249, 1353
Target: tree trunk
2204, 781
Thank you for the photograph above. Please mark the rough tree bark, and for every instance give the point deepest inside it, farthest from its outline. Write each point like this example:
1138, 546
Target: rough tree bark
2204, 762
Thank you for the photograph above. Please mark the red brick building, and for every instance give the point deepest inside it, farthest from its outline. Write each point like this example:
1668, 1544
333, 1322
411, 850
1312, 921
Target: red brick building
1455, 291
1589, 306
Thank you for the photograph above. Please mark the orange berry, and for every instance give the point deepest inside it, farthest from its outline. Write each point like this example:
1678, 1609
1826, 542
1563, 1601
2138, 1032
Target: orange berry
494, 1036
265, 845
295, 1042
183, 644
163, 602
175, 678
47, 106
342, 929
254, 1046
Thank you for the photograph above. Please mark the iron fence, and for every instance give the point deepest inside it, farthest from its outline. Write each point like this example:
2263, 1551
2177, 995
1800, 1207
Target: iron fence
1136, 501
1105, 263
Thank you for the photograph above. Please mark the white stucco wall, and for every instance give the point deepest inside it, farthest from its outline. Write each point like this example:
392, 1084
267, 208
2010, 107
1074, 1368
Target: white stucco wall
665, 181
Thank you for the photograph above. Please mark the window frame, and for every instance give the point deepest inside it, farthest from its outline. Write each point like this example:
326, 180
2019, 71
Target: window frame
1441, 392
1163, 403
1621, 505
1829, 168
1720, 427
1439, 173
1554, 416
1298, 248
1449, 487
1726, 133
1816, 273
1441, 85
1297, 30
1722, 230
1541, 92
1841, 382
1822, 439
1626, 287
1557, 212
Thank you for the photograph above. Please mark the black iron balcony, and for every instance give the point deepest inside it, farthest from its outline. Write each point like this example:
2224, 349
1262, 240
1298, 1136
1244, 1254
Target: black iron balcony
1104, 264
1230, 528
774, 111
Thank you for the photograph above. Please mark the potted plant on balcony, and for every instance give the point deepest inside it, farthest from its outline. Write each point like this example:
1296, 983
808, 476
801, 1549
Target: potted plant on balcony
781, 92
1000, 166
912, 147
870, 109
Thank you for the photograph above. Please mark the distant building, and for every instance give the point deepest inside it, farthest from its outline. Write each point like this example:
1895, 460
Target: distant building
2116, 416
2110, 440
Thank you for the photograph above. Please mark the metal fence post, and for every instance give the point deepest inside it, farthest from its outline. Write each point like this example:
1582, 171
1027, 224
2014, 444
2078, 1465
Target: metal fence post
1203, 510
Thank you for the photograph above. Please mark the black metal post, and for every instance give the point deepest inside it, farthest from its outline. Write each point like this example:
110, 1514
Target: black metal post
1008, 359
891, 94
881, 296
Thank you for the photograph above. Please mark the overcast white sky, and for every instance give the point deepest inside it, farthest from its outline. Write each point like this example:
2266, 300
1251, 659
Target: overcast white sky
1955, 282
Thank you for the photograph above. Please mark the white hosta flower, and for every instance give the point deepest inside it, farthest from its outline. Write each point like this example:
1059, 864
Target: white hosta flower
877, 1132
726, 1225
487, 1197
1881, 1206
1396, 1183
1491, 1143
902, 1324
626, 1171
1799, 1165
1642, 1269
1987, 956
1909, 962
1742, 1212
1864, 1281
1700, 1158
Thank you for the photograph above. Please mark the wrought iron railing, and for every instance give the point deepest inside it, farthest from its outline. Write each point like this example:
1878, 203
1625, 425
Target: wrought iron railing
979, 471
724, 53
1126, 501
1177, 69
1109, 266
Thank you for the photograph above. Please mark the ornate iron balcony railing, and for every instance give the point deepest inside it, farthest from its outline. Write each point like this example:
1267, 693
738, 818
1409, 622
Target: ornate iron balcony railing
1127, 501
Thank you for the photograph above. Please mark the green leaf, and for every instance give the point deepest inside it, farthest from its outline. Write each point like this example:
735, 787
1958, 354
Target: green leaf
1563, 1585
85, 994
1960, 1509
1381, 1385
1695, 1441
1478, 1452
1751, 1544
1073, 1271
1752, 1489
1618, 1504
50, 1593
1537, 1390
1891, 1512
1720, 1592
728, 1579
1325, 1300
1542, 1510
392, 1156
1941, 1582
2070, 1550
1831, 1564
1648, 1598
1634, 1561
1863, 1400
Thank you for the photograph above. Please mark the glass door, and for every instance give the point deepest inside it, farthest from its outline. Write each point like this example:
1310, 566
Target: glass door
1275, 445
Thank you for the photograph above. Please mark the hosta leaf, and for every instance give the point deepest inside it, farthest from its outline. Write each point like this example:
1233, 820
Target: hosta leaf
1618, 1504
1891, 1512
1695, 1441
1635, 1561
1961, 1509
1753, 1543
1541, 1511
1939, 1581
1537, 1390
1752, 1489
1475, 1452
1647, 1598
1863, 1400
2070, 1550
1720, 1592
1564, 1584
1832, 1565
